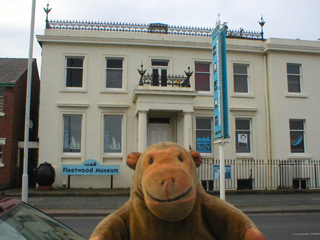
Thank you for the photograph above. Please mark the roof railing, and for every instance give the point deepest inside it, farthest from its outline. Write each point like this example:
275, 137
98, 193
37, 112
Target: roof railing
147, 28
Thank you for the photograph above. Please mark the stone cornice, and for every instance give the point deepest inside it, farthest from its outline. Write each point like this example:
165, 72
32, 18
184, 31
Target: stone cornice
162, 40
147, 92
291, 48
295, 46
125, 41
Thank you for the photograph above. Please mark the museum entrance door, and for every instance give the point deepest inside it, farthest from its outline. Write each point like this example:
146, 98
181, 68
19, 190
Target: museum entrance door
159, 130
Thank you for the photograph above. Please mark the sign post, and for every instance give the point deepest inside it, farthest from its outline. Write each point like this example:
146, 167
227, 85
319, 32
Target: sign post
221, 124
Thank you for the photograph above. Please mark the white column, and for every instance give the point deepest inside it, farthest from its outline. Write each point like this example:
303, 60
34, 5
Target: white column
187, 129
142, 131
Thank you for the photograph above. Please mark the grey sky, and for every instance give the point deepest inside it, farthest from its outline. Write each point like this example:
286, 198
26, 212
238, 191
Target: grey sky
284, 18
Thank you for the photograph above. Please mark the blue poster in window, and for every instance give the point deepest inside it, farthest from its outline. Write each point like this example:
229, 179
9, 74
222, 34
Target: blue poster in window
204, 144
297, 142
216, 172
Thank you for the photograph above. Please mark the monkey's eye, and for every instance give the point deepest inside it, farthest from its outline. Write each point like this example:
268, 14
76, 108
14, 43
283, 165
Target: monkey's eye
151, 160
180, 159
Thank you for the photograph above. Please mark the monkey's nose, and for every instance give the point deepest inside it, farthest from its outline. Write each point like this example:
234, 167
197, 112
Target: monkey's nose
167, 181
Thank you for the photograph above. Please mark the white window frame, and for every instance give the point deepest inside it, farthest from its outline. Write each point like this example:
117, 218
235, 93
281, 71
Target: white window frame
83, 88
124, 88
78, 155
160, 68
304, 136
211, 68
106, 69
241, 74
116, 155
251, 129
250, 82
293, 74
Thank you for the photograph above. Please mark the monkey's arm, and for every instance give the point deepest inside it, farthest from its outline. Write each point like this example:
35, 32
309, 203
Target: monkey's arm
114, 226
227, 222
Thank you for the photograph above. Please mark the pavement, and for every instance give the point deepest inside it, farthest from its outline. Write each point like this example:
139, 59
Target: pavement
101, 202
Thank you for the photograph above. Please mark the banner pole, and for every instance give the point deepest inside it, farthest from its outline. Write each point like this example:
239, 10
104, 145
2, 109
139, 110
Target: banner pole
222, 172
220, 97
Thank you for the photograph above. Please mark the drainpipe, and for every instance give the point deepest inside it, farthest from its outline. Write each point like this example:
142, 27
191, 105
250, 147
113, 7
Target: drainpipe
267, 109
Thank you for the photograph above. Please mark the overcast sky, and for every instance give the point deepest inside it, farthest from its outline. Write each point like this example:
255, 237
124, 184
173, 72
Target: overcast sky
284, 18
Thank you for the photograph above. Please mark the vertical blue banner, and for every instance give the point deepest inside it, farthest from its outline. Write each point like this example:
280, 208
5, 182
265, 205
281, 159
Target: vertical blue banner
220, 81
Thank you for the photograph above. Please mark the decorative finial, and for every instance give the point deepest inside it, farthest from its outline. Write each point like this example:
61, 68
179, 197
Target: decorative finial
47, 10
141, 72
218, 21
262, 23
186, 82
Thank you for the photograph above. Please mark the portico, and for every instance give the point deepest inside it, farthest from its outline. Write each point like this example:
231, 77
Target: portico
164, 115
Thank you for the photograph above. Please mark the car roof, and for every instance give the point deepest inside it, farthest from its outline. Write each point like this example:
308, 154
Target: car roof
7, 203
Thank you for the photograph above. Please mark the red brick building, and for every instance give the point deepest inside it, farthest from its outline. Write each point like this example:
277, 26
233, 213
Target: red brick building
13, 85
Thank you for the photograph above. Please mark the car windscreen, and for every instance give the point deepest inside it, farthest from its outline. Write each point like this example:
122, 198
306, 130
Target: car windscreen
24, 222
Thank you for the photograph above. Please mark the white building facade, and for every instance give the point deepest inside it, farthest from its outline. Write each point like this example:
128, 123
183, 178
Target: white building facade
94, 103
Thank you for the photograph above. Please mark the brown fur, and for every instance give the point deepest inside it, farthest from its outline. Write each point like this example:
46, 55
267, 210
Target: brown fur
167, 201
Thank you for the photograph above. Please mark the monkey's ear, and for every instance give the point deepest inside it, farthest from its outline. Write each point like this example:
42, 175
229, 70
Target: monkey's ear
132, 159
196, 157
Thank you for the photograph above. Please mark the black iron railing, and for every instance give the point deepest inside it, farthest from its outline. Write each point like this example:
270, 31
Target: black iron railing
164, 81
148, 28
261, 174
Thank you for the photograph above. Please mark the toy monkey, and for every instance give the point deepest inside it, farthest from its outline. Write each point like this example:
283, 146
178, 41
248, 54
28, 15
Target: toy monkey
167, 201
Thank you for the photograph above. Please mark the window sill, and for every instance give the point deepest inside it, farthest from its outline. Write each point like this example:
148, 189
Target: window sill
2, 114
206, 155
112, 155
296, 95
73, 91
244, 95
120, 91
1, 164
205, 93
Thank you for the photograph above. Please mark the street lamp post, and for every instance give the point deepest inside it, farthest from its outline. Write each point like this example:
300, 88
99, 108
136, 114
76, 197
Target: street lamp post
25, 177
